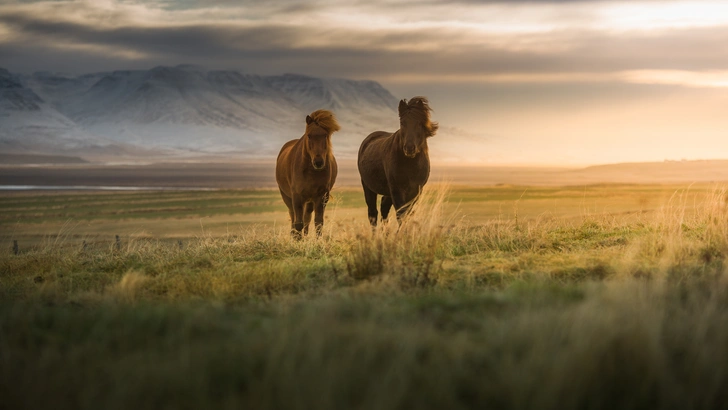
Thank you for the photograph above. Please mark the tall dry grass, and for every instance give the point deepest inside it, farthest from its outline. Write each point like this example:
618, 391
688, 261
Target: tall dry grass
686, 240
407, 250
432, 247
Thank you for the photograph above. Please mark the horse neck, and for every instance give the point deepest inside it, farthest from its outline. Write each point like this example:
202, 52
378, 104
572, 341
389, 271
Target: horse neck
302, 146
397, 140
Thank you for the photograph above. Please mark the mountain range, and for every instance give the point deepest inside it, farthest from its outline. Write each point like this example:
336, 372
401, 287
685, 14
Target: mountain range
181, 111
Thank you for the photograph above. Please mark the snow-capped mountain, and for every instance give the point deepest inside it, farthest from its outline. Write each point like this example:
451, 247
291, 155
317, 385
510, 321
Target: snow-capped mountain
184, 109
28, 124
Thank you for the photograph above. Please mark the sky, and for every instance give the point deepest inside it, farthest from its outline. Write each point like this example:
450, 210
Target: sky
513, 82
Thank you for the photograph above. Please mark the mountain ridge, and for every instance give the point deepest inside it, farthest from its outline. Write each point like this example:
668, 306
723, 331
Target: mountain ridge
181, 110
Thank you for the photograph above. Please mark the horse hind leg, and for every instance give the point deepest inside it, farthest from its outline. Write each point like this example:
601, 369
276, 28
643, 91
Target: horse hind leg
289, 204
371, 199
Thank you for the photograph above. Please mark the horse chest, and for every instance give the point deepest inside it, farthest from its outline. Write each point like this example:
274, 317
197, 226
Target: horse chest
312, 183
409, 171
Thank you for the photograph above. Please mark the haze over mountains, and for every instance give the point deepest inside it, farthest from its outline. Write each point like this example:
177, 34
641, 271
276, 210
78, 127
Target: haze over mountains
187, 112
181, 111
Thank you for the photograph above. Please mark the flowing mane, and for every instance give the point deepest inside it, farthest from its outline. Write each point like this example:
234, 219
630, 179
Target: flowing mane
324, 119
418, 108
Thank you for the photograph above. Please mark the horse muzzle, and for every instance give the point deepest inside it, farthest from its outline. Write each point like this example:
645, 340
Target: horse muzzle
318, 165
410, 150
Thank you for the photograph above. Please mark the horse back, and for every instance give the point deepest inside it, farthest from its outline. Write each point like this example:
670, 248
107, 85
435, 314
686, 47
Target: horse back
375, 144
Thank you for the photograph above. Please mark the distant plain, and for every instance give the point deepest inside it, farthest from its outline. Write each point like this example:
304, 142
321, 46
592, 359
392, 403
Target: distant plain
207, 172
36, 216
215, 198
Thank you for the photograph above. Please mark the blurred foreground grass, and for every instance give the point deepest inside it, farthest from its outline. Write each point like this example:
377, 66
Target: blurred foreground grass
600, 297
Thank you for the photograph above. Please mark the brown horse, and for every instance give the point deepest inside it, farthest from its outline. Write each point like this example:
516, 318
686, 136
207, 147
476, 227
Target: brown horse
397, 165
306, 171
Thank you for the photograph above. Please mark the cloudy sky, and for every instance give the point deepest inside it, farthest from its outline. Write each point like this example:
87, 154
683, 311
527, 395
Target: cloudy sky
547, 82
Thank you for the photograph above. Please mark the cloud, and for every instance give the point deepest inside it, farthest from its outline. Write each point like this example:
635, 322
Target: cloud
597, 80
709, 79
480, 41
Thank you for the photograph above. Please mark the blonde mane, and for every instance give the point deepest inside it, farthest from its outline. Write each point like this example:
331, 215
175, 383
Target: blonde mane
324, 119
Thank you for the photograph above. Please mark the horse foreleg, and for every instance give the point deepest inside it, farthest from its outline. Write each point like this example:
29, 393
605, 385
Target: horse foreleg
403, 212
403, 202
307, 211
371, 199
297, 218
319, 217
385, 207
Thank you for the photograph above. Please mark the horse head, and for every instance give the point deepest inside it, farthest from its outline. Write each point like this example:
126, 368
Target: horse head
319, 127
415, 125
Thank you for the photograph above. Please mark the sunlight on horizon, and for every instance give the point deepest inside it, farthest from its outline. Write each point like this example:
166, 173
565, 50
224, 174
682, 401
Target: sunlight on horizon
651, 16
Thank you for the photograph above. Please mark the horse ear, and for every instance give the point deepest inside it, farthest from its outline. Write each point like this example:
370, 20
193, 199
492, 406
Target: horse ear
309, 120
402, 107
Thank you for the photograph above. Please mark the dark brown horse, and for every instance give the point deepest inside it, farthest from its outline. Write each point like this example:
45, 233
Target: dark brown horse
306, 171
397, 165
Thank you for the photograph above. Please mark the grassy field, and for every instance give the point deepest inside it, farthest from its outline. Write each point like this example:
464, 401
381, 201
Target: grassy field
605, 296
36, 217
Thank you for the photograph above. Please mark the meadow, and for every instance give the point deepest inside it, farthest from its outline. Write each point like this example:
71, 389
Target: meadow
598, 296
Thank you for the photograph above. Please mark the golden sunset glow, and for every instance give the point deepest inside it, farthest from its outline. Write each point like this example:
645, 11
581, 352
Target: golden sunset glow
678, 77
663, 15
